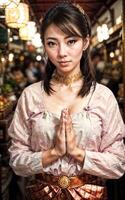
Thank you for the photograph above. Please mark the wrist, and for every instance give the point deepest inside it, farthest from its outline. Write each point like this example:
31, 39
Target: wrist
55, 153
49, 157
78, 154
58, 152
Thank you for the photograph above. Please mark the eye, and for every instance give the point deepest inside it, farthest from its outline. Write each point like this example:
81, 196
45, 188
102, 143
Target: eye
51, 44
72, 42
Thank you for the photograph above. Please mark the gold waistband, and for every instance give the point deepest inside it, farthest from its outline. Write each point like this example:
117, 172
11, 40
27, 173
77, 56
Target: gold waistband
65, 181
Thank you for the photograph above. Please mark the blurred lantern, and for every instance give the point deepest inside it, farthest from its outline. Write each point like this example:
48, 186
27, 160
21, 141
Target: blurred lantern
4, 3
27, 32
17, 16
99, 34
102, 32
105, 31
36, 41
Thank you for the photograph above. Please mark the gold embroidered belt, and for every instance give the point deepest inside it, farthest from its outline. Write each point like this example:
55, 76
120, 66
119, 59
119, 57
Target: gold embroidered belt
64, 181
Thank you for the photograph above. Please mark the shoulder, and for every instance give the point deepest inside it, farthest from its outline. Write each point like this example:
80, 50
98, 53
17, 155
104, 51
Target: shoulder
103, 96
31, 97
103, 91
35, 87
32, 92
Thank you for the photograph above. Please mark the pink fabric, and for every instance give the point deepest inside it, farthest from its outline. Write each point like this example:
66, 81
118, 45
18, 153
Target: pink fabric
99, 130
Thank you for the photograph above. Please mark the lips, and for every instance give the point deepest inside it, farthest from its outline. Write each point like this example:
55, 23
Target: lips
61, 62
64, 63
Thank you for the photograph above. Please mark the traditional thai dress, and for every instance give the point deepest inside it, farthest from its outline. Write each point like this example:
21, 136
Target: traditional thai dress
99, 130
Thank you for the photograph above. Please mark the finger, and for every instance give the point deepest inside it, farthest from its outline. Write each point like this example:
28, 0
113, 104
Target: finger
68, 123
62, 113
62, 126
62, 122
61, 117
69, 116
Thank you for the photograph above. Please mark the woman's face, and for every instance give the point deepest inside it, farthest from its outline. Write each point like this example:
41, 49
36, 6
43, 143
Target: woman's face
64, 52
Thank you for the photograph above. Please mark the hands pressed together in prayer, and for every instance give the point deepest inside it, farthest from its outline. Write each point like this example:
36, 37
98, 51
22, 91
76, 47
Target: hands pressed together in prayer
65, 138
65, 141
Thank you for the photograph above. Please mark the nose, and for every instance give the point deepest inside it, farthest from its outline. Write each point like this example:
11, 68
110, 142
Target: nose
62, 50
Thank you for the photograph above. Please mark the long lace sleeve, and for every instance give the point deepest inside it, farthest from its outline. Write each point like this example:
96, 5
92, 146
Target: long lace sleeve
23, 160
109, 161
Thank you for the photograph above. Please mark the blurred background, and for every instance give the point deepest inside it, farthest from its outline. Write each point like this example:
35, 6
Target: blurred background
23, 62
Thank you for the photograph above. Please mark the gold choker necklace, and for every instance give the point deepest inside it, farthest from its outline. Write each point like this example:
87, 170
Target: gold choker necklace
67, 80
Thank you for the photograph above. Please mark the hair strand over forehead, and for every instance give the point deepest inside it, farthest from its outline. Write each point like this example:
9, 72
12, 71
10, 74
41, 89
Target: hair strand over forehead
66, 16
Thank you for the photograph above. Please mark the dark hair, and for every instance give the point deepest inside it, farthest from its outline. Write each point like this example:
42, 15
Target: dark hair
67, 16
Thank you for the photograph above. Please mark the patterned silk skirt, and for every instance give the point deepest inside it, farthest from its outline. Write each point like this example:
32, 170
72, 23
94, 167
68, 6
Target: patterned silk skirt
46, 187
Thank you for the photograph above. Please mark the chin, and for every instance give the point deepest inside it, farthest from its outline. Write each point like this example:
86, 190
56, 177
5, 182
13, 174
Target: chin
65, 71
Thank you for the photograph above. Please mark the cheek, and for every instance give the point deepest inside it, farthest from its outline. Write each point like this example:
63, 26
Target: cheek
77, 54
78, 51
52, 57
51, 53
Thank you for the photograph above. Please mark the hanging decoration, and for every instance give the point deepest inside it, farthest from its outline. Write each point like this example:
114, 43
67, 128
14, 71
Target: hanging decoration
27, 32
102, 32
17, 16
36, 41
4, 3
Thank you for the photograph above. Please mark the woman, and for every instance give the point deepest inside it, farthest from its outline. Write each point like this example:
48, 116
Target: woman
67, 130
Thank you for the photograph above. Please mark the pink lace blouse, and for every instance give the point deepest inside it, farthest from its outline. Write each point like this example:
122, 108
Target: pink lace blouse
99, 130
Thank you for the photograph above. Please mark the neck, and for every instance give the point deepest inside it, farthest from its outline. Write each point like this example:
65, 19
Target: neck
68, 74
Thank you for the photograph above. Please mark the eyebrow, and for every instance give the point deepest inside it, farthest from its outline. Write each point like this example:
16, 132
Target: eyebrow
53, 38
